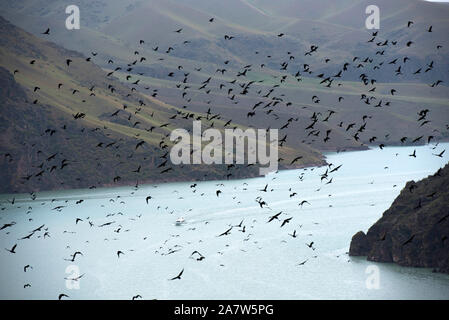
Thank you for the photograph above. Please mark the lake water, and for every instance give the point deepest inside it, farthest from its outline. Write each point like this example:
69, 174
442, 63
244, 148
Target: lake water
260, 263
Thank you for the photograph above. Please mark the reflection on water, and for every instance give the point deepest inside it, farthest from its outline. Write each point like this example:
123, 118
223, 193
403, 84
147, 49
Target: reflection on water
256, 260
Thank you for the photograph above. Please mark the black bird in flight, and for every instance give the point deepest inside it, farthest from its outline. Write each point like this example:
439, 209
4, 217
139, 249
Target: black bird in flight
46, 31
7, 225
276, 216
440, 154
303, 202
335, 169
303, 263
286, 221
166, 170
201, 257
227, 232
178, 276
12, 250
74, 256
75, 279
139, 144
310, 245
296, 159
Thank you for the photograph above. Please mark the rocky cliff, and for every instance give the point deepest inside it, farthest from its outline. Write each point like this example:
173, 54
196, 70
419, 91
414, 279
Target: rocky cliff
414, 231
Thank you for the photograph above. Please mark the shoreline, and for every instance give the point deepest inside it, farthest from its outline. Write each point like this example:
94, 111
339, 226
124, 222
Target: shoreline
322, 163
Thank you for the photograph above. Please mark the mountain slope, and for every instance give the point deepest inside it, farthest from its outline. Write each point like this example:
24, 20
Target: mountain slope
73, 125
337, 29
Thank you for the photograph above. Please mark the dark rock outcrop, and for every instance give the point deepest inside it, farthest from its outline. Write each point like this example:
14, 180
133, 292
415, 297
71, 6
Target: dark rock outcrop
359, 245
414, 231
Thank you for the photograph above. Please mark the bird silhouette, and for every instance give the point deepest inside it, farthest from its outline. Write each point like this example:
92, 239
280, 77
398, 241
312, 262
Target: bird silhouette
178, 277
12, 250
62, 295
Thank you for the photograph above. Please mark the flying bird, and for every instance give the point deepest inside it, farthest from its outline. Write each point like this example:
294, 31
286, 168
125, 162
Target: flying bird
227, 232
62, 295
178, 276
12, 250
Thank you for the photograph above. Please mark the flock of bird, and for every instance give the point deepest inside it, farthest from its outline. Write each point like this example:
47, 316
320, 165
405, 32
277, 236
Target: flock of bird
233, 89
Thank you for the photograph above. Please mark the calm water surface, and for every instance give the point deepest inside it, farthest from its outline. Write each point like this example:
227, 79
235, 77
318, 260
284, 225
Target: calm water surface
259, 263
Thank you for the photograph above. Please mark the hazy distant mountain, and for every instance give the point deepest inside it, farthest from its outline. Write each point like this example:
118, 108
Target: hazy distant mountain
337, 27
